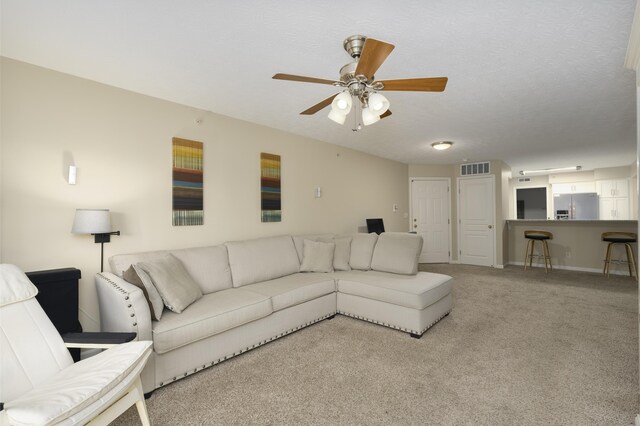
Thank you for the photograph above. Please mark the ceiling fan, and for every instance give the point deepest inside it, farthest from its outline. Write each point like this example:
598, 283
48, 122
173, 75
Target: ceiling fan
357, 79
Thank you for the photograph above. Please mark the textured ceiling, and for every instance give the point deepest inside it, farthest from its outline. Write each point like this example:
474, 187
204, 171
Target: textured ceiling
536, 84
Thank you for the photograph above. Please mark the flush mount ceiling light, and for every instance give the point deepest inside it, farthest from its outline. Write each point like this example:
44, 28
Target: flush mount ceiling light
359, 83
442, 145
547, 171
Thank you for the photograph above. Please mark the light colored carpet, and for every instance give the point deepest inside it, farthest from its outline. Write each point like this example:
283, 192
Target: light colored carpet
518, 348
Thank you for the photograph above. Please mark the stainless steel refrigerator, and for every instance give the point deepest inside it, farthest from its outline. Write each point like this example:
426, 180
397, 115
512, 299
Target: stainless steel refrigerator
576, 206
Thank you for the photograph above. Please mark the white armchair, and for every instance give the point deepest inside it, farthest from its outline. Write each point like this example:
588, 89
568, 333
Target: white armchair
40, 384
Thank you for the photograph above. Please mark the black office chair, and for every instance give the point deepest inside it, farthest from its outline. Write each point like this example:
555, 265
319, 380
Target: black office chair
375, 225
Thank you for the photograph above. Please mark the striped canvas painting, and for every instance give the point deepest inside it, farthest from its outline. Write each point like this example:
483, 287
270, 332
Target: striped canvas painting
270, 190
187, 183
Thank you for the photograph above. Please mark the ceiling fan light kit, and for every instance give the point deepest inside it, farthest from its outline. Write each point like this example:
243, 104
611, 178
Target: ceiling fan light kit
358, 79
378, 104
337, 116
342, 102
369, 117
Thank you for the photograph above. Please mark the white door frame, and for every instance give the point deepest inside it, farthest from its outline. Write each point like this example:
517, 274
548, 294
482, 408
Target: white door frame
549, 201
493, 203
448, 180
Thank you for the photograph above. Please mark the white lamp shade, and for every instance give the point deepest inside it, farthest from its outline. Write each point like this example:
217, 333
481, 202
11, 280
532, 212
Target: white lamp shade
337, 116
369, 117
378, 104
342, 102
91, 221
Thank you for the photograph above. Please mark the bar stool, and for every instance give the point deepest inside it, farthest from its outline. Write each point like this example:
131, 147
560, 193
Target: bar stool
536, 235
625, 238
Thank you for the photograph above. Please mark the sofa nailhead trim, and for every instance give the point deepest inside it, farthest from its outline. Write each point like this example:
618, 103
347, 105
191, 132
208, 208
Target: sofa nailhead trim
188, 373
395, 326
126, 297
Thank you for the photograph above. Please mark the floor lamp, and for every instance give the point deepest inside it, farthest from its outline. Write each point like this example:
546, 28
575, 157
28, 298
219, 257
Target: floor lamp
96, 222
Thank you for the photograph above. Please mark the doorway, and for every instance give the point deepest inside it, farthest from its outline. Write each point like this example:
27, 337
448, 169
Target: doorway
476, 221
431, 217
531, 203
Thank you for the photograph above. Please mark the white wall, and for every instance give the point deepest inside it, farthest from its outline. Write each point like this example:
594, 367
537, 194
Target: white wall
121, 144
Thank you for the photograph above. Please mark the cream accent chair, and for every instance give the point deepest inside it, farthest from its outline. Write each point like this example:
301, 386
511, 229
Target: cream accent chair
40, 384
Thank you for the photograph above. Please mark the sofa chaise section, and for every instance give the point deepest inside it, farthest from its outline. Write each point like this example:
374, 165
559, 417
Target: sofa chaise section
411, 303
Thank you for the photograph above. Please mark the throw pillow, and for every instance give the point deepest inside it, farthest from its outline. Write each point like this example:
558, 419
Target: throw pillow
317, 256
397, 253
176, 287
362, 251
141, 279
342, 254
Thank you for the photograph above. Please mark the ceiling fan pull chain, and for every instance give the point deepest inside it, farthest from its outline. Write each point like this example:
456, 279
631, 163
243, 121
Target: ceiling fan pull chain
355, 117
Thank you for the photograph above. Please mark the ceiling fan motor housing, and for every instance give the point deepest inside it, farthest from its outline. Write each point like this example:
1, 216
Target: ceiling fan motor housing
353, 45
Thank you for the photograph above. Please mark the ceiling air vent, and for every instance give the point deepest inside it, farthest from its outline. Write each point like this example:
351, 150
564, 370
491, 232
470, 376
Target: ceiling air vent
524, 179
474, 169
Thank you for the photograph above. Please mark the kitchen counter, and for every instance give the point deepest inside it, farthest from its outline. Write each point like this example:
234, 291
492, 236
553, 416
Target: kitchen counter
563, 221
576, 244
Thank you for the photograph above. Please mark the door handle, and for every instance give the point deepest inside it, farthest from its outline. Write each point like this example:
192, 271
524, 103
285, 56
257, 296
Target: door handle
490, 226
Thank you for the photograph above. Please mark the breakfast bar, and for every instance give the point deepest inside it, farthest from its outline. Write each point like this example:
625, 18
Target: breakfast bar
576, 244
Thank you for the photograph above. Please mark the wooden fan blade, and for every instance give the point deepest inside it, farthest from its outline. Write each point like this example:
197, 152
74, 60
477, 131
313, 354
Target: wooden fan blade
317, 107
385, 114
301, 78
436, 84
373, 55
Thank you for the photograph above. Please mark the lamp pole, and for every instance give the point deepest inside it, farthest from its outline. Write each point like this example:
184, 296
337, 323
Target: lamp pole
103, 238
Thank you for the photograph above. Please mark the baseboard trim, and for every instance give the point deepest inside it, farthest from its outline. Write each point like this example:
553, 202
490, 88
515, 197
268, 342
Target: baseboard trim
575, 268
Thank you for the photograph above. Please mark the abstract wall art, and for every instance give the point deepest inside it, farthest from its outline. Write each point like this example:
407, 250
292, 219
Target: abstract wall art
270, 188
187, 183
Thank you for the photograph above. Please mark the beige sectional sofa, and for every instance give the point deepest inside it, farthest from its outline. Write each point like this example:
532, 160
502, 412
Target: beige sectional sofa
251, 292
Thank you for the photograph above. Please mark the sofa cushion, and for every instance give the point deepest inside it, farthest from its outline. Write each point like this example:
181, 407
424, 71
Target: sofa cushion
317, 257
298, 241
294, 289
176, 287
262, 259
397, 253
412, 291
214, 313
362, 251
138, 277
342, 254
208, 266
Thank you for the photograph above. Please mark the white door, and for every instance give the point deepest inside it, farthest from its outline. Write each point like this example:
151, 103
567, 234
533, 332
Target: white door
476, 214
430, 201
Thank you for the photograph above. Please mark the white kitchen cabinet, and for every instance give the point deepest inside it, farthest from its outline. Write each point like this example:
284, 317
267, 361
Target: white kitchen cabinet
613, 188
573, 188
613, 199
614, 208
